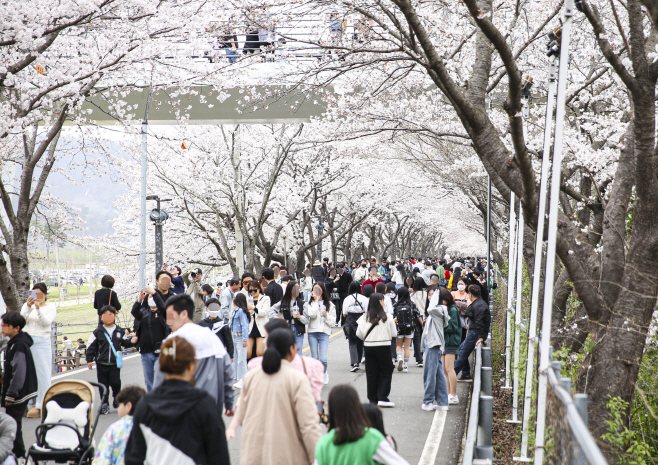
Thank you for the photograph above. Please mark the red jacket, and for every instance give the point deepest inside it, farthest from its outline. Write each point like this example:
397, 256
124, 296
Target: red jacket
447, 275
373, 284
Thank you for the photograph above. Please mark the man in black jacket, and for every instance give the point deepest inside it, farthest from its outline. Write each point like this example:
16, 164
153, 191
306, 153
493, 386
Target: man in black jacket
343, 289
19, 382
150, 330
273, 290
478, 331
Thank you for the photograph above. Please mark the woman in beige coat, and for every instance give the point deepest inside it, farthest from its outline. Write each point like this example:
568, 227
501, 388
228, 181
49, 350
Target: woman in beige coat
277, 411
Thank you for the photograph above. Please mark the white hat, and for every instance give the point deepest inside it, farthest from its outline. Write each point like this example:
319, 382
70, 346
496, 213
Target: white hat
316, 263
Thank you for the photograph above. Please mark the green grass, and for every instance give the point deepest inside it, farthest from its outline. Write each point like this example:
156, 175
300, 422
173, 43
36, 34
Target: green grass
53, 292
78, 321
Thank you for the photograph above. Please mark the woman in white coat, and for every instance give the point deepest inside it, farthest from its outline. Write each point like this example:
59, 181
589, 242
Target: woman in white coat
322, 316
39, 315
259, 309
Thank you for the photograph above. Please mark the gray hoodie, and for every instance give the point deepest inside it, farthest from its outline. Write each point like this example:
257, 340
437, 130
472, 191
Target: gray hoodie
438, 318
7, 436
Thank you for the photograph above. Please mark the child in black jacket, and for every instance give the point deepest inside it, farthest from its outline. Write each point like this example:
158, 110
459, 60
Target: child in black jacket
100, 350
217, 325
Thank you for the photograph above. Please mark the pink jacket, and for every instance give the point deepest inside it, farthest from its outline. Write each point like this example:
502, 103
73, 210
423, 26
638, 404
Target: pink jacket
314, 370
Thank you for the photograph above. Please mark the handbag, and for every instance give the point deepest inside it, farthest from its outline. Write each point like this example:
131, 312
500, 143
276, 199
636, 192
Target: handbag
334, 296
118, 355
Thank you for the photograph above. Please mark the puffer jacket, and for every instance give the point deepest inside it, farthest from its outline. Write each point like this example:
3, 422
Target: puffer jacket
453, 332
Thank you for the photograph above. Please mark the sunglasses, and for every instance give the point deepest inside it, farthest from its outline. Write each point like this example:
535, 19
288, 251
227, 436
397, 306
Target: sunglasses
253, 291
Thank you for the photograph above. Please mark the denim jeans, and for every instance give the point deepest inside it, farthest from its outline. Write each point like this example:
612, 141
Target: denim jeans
434, 380
319, 344
239, 358
465, 350
148, 365
231, 54
299, 339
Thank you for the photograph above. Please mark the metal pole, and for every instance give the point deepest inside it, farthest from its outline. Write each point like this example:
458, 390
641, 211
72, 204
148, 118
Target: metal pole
158, 241
539, 241
142, 224
239, 239
489, 267
285, 252
517, 318
552, 232
511, 265
485, 418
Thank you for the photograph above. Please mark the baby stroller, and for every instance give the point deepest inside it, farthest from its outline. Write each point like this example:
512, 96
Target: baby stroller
68, 423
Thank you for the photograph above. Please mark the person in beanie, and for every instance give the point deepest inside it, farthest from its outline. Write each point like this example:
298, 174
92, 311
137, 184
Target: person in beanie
19, 383
104, 344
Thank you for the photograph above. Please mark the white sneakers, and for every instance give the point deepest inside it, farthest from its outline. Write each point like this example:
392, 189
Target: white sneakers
326, 378
238, 385
384, 403
453, 399
405, 368
400, 362
363, 359
430, 407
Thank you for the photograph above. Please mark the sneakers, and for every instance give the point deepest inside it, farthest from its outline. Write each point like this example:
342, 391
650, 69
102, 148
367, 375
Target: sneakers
400, 363
238, 385
419, 364
115, 404
326, 378
105, 409
442, 408
453, 399
405, 368
465, 377
34, 413
385, 403
363, 359
428, 407
354, 368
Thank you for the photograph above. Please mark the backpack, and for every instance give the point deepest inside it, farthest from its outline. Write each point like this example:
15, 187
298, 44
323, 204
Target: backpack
404, 317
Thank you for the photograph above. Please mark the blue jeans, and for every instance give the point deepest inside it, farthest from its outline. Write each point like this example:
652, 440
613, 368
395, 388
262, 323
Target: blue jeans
231, 54
465, 349
398, 286
148, 365
434, 380
239, 358
319, 344
299, 339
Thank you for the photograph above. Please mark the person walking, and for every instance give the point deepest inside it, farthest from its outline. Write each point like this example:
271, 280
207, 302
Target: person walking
351, 438
452, 337
39, 316
177, 423
322, 316
216, 324
277, 410
104, 347
479, 323
434, 380
398, 276
239, 323
406, 313
214, 373
373, 279
259, 307
193, 279
226, 298
460, 297
354, 306
294, 311
376, 329
150, 330
19, 379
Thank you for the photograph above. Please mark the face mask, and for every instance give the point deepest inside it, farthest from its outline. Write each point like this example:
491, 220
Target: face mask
213, 314
151, 302
461, 287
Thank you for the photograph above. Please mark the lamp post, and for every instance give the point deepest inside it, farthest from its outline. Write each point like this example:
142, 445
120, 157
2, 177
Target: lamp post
320, 228
142, 225
159, 217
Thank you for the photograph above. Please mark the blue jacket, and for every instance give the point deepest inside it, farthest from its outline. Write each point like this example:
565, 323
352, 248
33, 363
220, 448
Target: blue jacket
179, 285
239, 322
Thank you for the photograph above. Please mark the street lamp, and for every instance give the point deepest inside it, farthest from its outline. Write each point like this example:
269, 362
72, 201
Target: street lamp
158, 217
320, 228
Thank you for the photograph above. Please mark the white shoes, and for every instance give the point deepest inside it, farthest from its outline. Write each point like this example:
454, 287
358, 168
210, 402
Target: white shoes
453, 399
400, 362
238, 385
363, 359
442, 408
384, 403
428, 407
326, 378
405, 368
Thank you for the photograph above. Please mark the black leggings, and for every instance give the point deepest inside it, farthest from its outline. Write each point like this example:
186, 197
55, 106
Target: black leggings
109, 376
16, 411
379, 371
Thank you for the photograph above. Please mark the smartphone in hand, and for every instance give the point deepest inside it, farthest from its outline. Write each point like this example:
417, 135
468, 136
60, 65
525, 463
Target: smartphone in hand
33, 294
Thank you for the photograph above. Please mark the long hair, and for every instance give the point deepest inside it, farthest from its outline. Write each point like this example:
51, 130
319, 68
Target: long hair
376, 311
419, 284
346, 414
287, 296
325, 295
241, 301
403, 295
279, 343
447, 296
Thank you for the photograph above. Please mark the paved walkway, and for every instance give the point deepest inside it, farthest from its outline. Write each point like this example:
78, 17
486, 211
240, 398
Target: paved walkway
424, 438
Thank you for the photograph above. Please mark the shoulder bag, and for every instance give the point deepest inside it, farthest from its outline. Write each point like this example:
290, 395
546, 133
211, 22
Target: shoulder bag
118, 355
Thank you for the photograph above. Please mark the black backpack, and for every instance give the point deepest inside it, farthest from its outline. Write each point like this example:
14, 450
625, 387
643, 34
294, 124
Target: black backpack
404, 316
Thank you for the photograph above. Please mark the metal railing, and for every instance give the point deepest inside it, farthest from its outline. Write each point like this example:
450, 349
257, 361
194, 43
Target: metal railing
572, 443
478, 444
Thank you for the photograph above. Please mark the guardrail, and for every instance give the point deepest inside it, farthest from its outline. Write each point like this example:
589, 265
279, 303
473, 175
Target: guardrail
478, 448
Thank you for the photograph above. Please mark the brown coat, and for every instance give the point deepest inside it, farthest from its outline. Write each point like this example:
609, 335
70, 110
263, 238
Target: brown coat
280, 424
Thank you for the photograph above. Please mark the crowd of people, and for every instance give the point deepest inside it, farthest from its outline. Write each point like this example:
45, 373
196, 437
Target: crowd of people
200, 345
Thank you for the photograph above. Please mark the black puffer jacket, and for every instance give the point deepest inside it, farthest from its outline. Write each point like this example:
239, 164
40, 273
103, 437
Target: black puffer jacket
177, 424
20, 377
150, 326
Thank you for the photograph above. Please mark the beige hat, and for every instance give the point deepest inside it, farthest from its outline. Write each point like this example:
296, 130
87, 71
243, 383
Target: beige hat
316, 263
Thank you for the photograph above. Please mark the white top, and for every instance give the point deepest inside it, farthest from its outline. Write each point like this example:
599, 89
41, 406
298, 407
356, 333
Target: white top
205, 342
380, 336
388, 305
38, 321
355, 305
